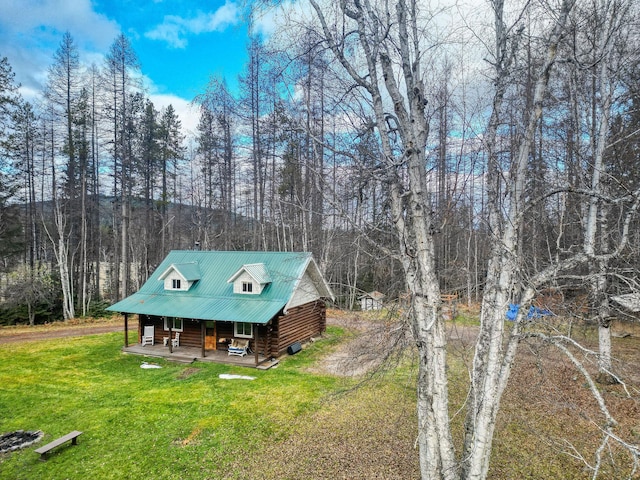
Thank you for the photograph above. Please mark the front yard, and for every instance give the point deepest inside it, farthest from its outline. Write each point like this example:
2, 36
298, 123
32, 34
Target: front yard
180, 421
305, 419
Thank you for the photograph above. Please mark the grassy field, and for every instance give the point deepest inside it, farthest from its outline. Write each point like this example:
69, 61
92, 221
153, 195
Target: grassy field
292, 422
180, 421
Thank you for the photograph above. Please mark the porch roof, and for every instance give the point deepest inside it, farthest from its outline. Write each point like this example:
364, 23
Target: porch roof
251, 310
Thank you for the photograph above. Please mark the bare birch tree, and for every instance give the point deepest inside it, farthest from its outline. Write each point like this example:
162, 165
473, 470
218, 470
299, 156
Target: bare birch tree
389, 37
62, 93
382, 47
603, 51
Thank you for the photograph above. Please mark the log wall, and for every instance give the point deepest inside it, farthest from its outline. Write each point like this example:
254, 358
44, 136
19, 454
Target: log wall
225, 330
191, 335
298, 325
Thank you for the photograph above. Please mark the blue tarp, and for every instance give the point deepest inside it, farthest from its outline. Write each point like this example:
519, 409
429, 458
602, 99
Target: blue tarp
534, 312
512, 313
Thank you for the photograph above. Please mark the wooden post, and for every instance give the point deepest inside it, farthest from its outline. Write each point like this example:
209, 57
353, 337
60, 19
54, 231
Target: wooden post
126, 330
255, 344
203, 334
170, 335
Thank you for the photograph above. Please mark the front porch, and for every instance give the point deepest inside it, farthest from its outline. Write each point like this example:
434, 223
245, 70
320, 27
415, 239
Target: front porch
191, 354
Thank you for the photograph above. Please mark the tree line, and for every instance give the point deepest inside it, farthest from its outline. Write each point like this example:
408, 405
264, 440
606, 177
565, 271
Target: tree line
99, 185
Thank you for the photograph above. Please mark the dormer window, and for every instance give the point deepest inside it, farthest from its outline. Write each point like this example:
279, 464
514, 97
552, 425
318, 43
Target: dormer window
250, 279
180, 276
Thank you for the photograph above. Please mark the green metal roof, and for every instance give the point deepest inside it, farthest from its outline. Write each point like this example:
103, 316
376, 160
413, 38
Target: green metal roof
212, 297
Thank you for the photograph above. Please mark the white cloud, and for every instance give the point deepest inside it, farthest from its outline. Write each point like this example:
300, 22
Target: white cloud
171, 32
267, 20
175, 29
187, 113
31, 30
29, 17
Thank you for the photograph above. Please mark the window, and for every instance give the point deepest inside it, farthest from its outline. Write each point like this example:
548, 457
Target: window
247, 287
243, 330
176, 324
175, 284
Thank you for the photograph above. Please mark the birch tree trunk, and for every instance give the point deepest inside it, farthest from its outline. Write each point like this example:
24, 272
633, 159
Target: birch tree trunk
410, 206
610, 24
493, 358
61, 252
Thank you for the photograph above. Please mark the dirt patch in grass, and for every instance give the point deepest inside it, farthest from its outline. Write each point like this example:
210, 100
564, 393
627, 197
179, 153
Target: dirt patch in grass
187, 372
70, 328
367, 344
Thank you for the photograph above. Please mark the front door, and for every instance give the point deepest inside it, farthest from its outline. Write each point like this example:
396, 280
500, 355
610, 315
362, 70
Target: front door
211, 337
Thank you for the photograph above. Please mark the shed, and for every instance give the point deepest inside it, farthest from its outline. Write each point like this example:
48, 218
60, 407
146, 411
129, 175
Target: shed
372, 300
629, 301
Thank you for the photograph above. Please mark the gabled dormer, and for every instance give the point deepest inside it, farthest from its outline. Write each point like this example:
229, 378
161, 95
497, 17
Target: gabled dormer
250, 279
180, 276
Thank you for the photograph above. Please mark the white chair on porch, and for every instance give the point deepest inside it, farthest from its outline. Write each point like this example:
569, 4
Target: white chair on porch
175, 342
147, 335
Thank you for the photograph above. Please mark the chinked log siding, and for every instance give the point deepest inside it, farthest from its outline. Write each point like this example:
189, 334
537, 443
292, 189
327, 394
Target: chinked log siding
298, 325
191, 335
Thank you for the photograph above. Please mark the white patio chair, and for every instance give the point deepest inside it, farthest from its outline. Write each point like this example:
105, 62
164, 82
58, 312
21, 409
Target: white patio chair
147, 336
175, 342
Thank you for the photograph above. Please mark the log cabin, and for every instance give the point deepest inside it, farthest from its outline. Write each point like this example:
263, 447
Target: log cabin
210, 302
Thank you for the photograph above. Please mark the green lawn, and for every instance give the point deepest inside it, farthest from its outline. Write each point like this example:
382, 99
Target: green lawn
180, 421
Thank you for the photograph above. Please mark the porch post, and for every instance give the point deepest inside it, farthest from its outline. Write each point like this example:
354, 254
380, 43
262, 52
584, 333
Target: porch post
170, 335
255, 346
126, 330
203, 331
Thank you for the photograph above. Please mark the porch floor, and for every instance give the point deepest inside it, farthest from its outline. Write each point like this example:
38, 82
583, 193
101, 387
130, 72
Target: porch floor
191, 354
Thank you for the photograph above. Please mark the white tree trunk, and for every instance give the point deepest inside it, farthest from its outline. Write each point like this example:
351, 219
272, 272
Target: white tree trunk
596, 217
61, 252
388, 72
62, 256
493, 359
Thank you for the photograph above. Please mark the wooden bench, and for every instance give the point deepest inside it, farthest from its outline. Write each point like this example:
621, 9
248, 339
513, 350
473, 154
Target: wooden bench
73, 436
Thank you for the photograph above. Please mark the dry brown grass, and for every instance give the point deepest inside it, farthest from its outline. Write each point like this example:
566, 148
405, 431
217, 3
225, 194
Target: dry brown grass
86, 322
368, 433
548, 417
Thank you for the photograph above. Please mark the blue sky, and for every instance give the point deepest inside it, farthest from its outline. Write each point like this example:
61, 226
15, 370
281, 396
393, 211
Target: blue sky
179, 44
